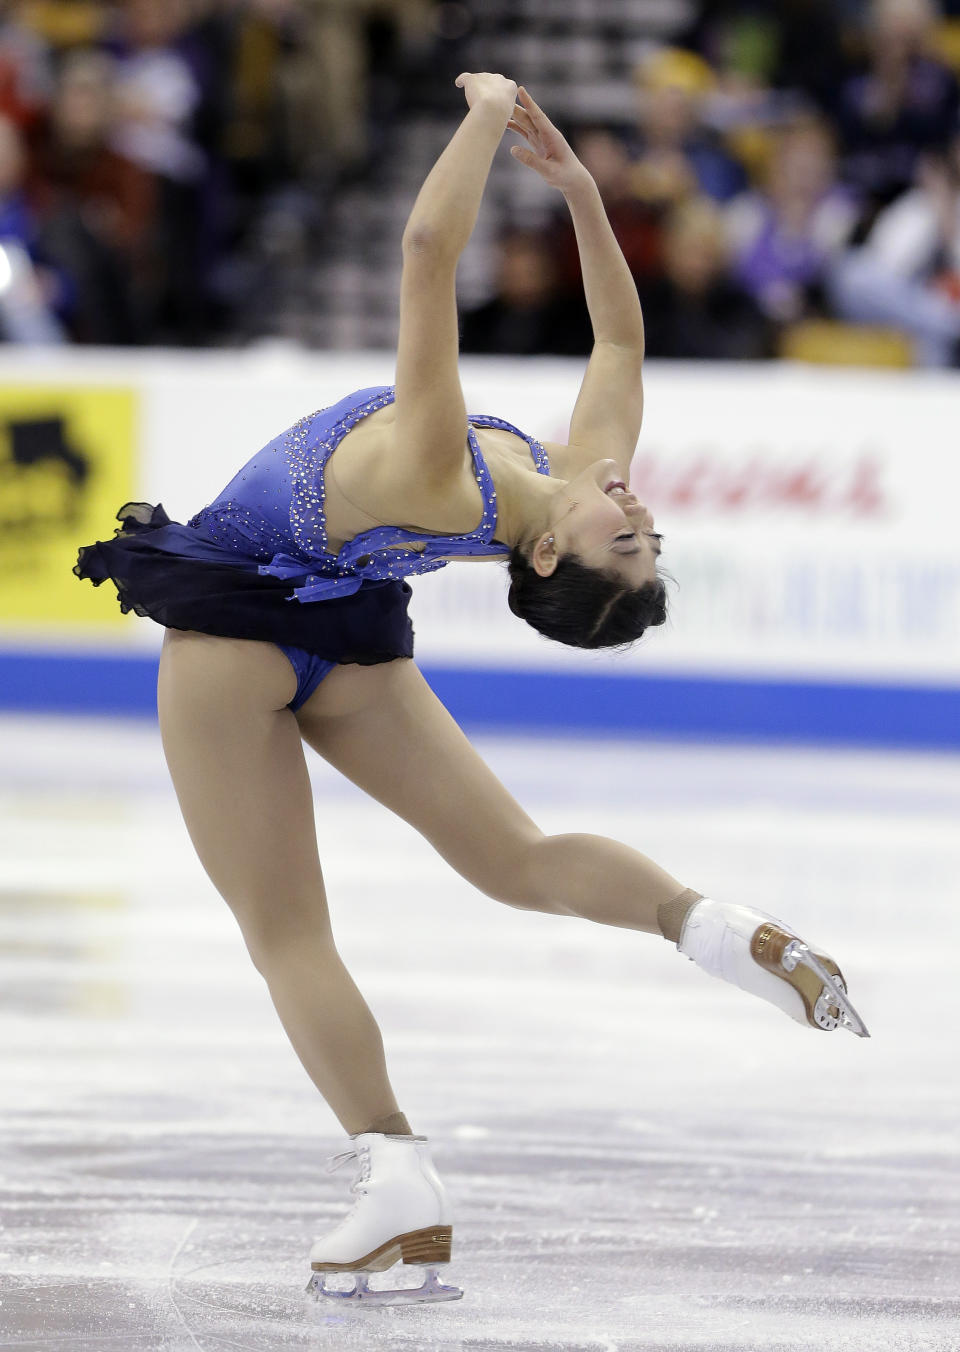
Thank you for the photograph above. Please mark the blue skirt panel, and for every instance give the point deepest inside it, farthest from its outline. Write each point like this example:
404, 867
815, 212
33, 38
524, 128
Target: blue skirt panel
184, 579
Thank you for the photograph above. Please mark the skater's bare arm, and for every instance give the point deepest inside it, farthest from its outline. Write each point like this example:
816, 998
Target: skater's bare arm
609, 410
431, 417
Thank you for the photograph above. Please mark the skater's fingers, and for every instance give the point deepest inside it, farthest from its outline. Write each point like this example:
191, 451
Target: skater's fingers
524, 155
521, 114
530, 104
528, 133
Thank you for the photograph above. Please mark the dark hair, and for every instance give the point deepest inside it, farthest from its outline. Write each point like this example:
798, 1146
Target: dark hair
582, 606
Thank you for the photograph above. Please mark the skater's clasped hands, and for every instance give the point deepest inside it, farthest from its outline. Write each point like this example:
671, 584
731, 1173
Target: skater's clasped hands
485, 87
546, 151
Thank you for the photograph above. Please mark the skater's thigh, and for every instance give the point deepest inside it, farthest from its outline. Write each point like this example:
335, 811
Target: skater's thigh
384, 728
237, 763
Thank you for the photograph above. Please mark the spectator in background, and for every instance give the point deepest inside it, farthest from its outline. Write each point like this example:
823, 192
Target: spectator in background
340, 65
696, 309
30, 292
157, 93
528, 315
907, 273
783, 235
788, 45
25, 69
902, 106
676, 156
16, 220
157, 99
242, 56
95, 206
262, 192
637, 225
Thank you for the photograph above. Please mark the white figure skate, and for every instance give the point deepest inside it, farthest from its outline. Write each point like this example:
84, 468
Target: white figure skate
401, 1215
760, 955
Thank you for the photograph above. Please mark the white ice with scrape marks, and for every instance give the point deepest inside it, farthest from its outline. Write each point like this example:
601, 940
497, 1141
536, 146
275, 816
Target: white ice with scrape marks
639, 1157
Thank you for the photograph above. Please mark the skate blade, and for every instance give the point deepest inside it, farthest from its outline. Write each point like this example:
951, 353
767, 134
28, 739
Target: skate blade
816, 978
833, 1003
432, 1289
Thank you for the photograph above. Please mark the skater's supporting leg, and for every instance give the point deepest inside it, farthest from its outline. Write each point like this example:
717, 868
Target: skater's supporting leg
385, 729
237, 763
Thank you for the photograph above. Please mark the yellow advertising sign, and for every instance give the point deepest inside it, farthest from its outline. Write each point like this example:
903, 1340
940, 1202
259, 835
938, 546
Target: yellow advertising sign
66, 466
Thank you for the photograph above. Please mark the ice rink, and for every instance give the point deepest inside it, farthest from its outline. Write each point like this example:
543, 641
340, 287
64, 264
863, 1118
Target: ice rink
639, 1157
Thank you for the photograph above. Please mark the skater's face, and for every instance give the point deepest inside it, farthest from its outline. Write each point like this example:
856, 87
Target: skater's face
601, 523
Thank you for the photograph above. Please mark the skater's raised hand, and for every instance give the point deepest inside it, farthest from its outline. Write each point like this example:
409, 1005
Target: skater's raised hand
546, 150
487, 88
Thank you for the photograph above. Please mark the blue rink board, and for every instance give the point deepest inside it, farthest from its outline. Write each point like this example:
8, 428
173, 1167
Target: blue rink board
698, 708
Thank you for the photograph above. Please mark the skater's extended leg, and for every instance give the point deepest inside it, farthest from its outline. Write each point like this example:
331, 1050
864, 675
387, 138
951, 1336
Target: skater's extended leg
385, 729
236, 758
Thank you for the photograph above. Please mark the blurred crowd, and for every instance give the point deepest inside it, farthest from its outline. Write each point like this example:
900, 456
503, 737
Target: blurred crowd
787, 162
151, 150
791, 163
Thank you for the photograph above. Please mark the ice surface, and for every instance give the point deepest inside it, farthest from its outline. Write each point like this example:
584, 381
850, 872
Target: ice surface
639, 1157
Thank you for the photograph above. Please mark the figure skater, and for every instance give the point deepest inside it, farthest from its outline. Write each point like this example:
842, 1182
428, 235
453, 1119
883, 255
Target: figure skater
286, 616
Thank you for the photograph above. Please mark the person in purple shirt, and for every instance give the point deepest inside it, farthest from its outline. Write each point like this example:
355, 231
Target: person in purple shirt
783, 235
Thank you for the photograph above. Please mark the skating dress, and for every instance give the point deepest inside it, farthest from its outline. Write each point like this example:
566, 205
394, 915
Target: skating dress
255, 564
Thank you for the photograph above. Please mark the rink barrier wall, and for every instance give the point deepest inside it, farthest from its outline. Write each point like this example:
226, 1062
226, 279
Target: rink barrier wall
703, 709
809, 518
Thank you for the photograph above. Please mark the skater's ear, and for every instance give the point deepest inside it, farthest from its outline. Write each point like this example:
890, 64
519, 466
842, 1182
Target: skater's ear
544, 556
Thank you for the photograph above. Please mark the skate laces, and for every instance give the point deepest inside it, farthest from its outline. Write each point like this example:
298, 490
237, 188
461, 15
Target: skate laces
336, 1162
362, 1158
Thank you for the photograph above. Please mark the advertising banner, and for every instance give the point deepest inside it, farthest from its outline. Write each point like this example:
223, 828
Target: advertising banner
67, 462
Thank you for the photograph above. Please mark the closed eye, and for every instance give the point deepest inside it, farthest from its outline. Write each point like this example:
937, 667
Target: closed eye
630, 535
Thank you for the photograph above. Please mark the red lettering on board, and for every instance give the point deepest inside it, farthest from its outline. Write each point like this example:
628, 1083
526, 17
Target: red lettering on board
866, 496
811, 485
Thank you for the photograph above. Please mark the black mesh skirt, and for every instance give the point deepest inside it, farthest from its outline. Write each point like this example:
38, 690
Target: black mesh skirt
183, 579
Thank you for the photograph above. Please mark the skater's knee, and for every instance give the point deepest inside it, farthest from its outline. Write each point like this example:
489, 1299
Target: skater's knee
278, 934
272, 954
530, 886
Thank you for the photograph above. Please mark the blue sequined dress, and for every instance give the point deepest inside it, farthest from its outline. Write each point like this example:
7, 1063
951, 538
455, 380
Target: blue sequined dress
255, 563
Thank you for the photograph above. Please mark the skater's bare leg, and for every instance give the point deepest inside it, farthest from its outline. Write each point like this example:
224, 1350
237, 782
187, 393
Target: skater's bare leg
237, 763
385, 729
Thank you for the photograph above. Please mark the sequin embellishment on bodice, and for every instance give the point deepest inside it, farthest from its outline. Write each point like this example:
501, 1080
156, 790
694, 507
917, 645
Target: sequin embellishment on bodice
273, 510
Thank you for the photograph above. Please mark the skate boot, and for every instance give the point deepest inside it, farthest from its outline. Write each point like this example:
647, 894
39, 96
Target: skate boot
401, 1215
760, 955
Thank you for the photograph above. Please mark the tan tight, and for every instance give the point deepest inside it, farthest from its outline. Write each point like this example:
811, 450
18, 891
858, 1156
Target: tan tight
236, 757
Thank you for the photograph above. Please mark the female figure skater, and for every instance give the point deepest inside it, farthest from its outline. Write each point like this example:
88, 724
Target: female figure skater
286, 622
